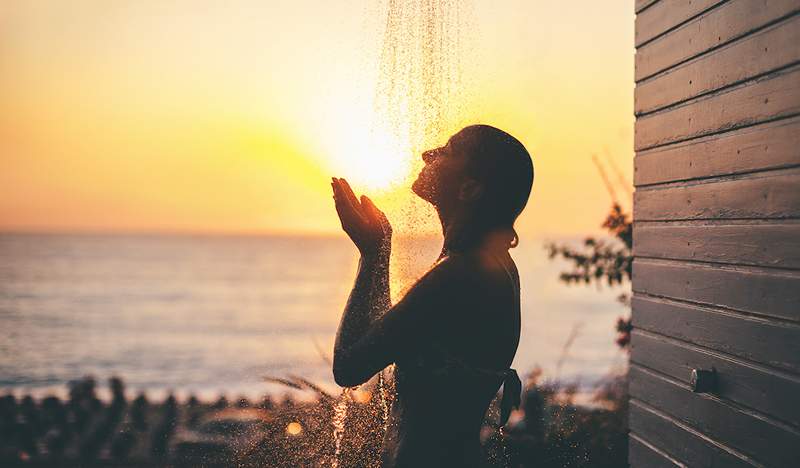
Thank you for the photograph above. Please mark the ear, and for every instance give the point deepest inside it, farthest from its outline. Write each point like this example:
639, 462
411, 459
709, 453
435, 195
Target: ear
470, 190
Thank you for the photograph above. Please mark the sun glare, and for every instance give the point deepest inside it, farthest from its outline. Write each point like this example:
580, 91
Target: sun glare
375, 161
405, 99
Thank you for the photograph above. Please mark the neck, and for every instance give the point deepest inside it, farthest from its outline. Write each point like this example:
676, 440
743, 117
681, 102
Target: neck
446, 219
461, 233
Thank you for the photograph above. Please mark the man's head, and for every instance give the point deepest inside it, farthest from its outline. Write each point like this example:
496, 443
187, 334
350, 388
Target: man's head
481, 170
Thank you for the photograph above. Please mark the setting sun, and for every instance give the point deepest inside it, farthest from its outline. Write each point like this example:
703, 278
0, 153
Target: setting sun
373, 161
241, 130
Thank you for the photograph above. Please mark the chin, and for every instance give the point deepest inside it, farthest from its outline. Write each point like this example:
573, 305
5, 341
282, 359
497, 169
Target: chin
416, 187
423, 191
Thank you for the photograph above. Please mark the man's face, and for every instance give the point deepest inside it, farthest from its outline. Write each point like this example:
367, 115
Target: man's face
439, 180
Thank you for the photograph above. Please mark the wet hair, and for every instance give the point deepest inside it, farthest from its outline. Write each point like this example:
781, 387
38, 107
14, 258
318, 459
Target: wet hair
503, 166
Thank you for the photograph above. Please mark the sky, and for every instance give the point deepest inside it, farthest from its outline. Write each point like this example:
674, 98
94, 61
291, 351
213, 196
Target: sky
231, 117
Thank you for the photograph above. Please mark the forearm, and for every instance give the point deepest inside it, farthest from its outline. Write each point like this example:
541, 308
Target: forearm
382, 300
368, 300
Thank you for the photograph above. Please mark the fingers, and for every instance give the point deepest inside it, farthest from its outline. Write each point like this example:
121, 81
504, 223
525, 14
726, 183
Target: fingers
338, 197
343, 191
339, 194
366, 225
349, 193
370, 208
375, 214
346, 199
347, 206
341, 202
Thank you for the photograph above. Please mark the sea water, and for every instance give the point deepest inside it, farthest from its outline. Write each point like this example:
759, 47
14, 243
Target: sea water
211, 314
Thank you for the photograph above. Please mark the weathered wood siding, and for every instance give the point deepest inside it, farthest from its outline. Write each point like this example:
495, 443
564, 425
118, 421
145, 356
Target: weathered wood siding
716, 275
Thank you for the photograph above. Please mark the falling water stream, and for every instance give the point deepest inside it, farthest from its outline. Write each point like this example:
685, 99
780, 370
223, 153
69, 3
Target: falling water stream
339, 419
420, 100
383, 390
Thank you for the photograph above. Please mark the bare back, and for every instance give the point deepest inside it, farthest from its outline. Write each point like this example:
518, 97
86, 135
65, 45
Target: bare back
450, 367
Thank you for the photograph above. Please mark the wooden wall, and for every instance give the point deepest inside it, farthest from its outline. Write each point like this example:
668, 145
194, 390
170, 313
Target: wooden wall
716, 275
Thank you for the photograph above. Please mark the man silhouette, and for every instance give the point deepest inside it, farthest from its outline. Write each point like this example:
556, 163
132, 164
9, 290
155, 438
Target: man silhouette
454, 334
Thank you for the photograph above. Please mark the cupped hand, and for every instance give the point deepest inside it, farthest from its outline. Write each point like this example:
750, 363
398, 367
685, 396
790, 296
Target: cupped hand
367, 226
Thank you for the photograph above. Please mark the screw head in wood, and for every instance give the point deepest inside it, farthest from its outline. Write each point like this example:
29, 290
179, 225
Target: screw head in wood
703, 381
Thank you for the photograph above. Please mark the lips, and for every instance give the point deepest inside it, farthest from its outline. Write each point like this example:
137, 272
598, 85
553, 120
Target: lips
423, 174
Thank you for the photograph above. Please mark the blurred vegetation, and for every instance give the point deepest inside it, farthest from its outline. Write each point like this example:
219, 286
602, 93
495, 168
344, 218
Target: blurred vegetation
600, 261
549, 430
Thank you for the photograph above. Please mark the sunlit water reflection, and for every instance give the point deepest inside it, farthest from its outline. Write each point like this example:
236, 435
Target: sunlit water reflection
216, 314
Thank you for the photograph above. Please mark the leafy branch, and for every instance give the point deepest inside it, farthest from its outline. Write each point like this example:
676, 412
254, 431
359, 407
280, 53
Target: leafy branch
601, 261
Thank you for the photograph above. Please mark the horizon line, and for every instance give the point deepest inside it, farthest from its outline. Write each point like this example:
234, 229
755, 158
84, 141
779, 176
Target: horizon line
154, 232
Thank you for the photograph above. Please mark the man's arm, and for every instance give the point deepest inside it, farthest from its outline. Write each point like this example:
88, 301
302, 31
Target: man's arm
370, 231
386, 337
372, 334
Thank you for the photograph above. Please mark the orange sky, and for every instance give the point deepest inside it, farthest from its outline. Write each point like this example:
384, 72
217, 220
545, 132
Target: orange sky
187, 115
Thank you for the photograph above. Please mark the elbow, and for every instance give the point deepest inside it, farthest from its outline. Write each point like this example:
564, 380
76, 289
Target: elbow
345, 380
345, 375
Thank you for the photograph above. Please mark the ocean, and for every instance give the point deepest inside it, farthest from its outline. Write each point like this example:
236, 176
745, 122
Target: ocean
210, 315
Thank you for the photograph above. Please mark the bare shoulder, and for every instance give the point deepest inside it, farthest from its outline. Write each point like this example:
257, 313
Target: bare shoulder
471, 273
447, 278
460, 277
480, 265
456, 267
